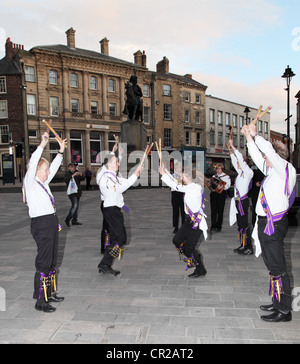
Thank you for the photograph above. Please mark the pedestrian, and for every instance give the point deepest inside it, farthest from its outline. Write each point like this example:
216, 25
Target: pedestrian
240, 202
177, 199
187, 237
88, 176
219, 184
73, 178
112, 188
44, 223
275, 198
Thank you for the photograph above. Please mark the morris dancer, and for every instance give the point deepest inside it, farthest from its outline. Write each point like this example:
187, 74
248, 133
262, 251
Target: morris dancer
44, 223
112, 187
187, 237
218, 197
240, 202
271, 226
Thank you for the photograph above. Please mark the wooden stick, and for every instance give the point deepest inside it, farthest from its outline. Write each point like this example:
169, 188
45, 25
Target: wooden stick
159, 153
260, 114
53, 131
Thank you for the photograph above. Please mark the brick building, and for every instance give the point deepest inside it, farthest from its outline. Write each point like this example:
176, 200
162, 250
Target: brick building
83, 93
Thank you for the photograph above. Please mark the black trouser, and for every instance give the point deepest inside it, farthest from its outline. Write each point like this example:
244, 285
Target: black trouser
104, 231
273, 255
44, 230
217, 204
187, 239
178, 206
242, 222
115, 219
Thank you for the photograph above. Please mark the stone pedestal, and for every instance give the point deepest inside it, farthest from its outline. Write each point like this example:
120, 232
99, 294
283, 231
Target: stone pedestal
134, 133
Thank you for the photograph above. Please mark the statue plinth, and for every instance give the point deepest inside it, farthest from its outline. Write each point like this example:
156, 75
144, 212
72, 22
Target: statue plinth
134, 133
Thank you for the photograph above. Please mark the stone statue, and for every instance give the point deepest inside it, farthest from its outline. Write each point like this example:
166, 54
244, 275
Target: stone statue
134, 104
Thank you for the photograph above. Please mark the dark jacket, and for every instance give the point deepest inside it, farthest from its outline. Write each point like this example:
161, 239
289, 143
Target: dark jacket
77, 179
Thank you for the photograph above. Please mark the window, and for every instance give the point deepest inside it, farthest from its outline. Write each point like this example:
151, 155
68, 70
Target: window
167, 112
198, 139
54, 106
76, 146
166, 90
227, 118
29, 73
111, 85
260, 126
212, 137
187, 116
94, 107
211, 116
198, 117
220, 117
198, 99
242, 141
112, 109
234, 119
146, 114
187, 97
53, 77
241, 121
266, 127
53, 145
93, 83
2, 85
168, 138
4, 134
220, 138
146, 90
3, 109
187, 138
32, 134
95, 146
31, 105
73, 80
75, 105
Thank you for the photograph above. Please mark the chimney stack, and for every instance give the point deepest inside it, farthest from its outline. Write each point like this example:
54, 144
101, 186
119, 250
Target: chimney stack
71, 37
104, 46
138, 58
11, 49
144, 59
163, 66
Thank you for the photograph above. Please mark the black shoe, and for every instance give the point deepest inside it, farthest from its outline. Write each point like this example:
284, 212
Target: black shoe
45, 307
268, 308
106, 269
76, 223
246, 251
175, 230
55, 298
239, 249
198, 273
278, 316
67, 223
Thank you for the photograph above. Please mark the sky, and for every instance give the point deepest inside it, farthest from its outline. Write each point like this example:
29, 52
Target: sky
238, 48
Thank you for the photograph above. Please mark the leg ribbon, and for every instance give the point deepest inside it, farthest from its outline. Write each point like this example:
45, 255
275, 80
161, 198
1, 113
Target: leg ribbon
106, 240
191, 262
116, 252
45, 283
275, 289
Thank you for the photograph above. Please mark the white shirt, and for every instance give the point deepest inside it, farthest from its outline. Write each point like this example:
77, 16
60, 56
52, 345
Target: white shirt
112, 187
274, 184
192, 198
245, 174
38, 201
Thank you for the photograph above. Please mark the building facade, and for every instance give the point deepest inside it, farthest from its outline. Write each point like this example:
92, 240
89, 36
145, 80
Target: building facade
223, 115
82, 92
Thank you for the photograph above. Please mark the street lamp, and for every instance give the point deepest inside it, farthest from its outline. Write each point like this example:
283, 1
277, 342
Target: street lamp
288, 75
246, 111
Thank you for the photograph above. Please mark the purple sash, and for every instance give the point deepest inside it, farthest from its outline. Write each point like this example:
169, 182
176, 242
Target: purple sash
196, 218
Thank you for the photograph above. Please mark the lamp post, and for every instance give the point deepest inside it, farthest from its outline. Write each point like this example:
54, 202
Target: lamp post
288, 75
246, 111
